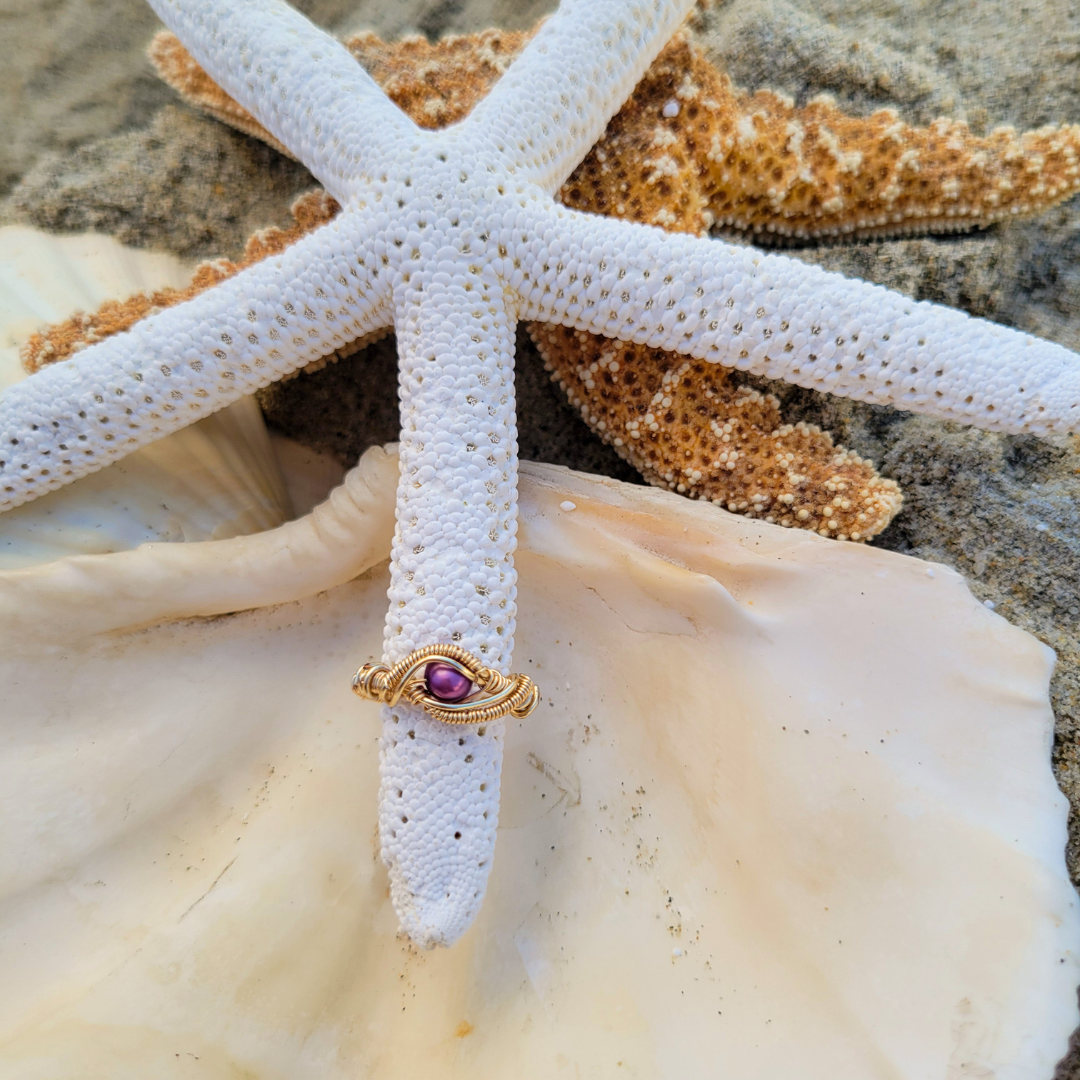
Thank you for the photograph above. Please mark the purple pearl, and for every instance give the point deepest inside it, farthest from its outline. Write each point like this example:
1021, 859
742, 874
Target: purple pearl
447, 683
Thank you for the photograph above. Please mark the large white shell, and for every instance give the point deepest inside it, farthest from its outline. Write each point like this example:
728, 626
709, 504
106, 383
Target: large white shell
786, 811
216, 479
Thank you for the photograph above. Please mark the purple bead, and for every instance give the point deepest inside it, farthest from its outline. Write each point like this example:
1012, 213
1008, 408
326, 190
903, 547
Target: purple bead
447, 683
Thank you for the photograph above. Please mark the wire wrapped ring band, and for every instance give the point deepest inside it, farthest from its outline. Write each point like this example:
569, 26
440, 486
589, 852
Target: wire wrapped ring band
472, 693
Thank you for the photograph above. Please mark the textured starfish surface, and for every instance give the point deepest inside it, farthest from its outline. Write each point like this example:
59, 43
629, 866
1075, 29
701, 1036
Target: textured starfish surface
63, 340
700, 432
451, 236
689, 150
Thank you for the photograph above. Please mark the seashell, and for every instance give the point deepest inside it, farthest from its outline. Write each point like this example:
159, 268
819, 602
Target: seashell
786, 809
217, 479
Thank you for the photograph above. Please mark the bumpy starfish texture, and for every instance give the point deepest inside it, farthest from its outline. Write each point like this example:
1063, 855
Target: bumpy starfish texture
687, 149
697, 152
63, 340
687, 426
452, 236
434, 84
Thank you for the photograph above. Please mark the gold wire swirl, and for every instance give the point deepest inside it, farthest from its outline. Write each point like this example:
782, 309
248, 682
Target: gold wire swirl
514, 695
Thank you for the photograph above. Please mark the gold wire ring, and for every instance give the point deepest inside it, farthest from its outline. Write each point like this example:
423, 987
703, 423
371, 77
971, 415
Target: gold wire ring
496, 695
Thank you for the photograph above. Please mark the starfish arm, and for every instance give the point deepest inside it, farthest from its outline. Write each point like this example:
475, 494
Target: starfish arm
304, 87
783, 319
169, 370
452, 579
556, 99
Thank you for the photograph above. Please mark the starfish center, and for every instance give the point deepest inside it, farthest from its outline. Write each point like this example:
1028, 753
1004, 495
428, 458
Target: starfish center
451, 205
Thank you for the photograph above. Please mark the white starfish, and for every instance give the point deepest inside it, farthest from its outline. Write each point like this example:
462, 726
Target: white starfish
451, 237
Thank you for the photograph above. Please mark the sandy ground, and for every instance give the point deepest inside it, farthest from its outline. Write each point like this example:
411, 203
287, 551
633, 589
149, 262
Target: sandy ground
89, 139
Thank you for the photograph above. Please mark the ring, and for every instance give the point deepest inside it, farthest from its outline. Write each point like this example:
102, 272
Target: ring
450, 684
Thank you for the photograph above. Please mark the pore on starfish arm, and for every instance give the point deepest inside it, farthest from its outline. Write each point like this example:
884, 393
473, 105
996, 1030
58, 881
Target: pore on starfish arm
452, 236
